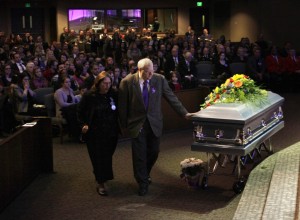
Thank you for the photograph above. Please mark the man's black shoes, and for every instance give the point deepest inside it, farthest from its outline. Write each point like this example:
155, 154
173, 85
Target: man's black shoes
143, 190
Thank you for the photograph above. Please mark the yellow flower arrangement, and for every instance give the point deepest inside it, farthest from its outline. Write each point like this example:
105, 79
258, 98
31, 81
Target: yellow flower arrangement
236, 89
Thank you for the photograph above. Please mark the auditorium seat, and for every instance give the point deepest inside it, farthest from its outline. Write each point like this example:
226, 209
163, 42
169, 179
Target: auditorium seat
205, 74
237, 68
55, 121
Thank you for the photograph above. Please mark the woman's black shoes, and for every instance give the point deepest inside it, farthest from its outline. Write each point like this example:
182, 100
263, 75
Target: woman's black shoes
102, 191
149, 180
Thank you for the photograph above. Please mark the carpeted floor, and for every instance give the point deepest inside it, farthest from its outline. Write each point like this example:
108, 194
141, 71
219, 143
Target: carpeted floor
70, 192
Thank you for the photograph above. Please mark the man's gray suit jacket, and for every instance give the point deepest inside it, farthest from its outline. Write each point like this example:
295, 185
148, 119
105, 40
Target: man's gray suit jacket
132, 111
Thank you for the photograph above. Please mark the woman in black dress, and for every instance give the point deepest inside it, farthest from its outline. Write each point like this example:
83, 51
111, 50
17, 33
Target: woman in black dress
97, 113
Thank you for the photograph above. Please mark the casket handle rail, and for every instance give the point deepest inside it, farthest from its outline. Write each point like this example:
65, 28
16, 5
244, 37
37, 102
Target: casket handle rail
280, 113
198, 134
218, 134
242, 138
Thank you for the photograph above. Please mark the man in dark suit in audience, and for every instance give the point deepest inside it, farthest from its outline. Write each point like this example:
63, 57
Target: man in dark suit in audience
140, 113
93, 73
256, 68
17, 66
187, 70
205, 56
172, 62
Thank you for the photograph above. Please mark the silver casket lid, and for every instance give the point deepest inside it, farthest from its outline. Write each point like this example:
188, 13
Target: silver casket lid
237, 113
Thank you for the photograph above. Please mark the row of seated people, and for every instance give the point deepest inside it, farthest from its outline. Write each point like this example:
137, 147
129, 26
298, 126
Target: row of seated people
184, 65
274, 72
19, 103
167, 55
266, 72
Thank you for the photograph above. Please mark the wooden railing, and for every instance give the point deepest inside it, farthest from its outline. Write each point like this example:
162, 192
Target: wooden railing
191, 100
24, 155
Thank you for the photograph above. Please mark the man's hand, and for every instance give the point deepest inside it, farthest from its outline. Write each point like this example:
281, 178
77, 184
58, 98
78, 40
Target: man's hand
189, 115
84, 129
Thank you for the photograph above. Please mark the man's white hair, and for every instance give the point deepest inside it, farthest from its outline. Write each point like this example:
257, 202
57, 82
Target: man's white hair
145, 62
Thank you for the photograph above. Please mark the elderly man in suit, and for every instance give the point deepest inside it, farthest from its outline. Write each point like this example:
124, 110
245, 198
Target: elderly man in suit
187, 70
140, 97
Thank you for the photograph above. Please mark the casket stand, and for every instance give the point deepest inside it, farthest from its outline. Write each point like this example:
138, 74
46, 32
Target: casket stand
236, 131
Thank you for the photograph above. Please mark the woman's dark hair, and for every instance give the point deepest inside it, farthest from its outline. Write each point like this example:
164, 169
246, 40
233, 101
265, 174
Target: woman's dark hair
219, 55
62, 79
78, 70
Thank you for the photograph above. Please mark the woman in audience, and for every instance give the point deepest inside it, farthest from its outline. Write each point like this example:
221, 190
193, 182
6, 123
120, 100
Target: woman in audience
64, 96
77, 77
221, 70
174, 83
86, 66
65, 106
240, 56
6, 76
97, 113
24, 96
134, 52
39, 81
117, 77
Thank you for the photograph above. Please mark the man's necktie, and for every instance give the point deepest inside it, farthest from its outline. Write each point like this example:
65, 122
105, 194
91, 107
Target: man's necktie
188, 65
145, 93
22, 67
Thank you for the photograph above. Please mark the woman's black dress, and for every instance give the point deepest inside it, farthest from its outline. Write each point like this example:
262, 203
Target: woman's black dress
99, 112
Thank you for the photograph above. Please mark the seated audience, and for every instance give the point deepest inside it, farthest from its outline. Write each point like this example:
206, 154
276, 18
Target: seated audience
172, 62
239, 56
205, 35
8, 121
82, 90
78, 77
256, 69
187, 71
174, 83
24, 96
39, 81
65, 102
64, 96
221, 70
276, 69
205, 56
93, 73
292, 66
6, 76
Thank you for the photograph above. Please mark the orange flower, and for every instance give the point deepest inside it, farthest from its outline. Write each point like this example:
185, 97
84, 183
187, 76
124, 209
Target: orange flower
231, 80
238, 83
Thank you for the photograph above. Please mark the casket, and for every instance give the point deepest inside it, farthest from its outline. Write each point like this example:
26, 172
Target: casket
234, 128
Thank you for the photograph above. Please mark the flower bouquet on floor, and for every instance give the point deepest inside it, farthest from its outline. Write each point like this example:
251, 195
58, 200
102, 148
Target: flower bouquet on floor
191, 169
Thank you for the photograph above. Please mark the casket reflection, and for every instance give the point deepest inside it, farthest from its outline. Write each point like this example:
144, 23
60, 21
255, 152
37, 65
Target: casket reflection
233, 128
